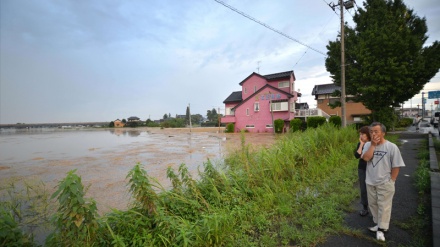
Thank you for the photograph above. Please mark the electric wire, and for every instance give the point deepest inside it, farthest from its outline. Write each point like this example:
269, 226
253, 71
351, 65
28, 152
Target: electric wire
267, 26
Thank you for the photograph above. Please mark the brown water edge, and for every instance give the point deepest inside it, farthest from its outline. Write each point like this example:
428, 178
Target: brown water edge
105, 174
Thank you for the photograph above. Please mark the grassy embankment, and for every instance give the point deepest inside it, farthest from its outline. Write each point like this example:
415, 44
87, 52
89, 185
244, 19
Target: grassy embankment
293, 193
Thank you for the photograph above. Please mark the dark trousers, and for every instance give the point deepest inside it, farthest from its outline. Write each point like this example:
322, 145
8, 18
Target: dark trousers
362, 174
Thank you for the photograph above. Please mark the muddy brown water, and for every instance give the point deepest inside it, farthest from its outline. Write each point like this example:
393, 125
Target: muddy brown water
103, 157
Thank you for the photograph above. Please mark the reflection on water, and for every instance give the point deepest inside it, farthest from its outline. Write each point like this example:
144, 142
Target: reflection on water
130, 132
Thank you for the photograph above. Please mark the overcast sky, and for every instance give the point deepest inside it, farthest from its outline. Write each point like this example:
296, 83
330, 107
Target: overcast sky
99, 60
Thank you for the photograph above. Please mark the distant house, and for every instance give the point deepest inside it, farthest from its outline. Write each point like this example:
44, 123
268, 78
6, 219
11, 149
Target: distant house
118, 123
301, 106
263, 98
133, 119
324, 98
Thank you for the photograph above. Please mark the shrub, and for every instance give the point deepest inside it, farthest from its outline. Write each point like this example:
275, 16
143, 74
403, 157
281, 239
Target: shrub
295, 124
230, 128
279, 125
314, 122
335, 120
405, 122
75, 220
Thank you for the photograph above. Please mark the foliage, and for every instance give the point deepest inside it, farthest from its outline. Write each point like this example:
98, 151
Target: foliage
295, 124
314, 122
132, 124
75, 221
141, 189
387, 60
335, 120
151, 123
25, 210
405, 122
196, 118
111, 124
10, 231
124, 121
173, 123
278, 125
230, 128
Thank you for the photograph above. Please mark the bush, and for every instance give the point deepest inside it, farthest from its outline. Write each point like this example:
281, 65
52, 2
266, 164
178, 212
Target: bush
314, 122
230, 128
279, 125
335, 120
405, 122
295, 124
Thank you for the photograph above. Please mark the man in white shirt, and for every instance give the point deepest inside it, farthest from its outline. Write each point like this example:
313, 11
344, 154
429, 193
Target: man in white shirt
383, 164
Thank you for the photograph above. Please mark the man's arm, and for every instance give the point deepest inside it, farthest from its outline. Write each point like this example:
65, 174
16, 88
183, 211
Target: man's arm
394, 173
369, 154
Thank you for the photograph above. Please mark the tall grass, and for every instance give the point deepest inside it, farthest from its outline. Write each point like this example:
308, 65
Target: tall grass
293, 193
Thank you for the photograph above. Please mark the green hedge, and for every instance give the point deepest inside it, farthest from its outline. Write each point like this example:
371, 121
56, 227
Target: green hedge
335, 120
314, 122
295, 124
279, 125
230, 128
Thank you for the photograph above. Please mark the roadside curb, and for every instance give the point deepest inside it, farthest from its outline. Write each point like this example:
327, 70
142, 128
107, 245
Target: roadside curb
435, 193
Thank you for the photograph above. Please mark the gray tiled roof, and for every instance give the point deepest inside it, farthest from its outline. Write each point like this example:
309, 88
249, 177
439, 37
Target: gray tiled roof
277, 76
234, 97
325, 89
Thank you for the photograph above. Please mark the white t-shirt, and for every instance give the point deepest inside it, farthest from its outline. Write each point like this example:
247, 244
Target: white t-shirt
386, 156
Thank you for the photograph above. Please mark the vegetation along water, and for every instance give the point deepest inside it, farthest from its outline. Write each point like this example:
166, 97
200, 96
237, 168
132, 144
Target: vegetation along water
294, 192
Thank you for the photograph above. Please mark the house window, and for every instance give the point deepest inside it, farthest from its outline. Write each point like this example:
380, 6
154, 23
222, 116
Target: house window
247, 111
280, 106
250, 126
320, 101
255, 89
257, 106
321, 96
282, 84
268, 126
245, 90
229, 111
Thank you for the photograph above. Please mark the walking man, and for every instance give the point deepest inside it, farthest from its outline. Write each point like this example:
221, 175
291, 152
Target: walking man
383, 164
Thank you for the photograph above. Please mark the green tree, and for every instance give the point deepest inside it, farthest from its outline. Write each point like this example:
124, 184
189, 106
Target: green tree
123, 120
212, 115
111, 124
196, 118
165, 116
387, 62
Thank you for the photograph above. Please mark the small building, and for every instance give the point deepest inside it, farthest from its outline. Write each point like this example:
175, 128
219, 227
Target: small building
118, 123
325, 97
133, 119
263, 98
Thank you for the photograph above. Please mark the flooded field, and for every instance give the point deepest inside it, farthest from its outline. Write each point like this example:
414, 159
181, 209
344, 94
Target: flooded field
103, 157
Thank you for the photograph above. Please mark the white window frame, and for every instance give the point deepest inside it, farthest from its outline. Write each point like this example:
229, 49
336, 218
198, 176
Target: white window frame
257, 106
269, 126
283, 84
280, 106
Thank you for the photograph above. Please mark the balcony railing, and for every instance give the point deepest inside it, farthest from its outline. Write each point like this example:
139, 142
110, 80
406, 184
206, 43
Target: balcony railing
228, 119
311, 113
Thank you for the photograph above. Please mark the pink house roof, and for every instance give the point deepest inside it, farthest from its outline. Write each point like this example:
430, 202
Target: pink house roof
271, 77
261, 89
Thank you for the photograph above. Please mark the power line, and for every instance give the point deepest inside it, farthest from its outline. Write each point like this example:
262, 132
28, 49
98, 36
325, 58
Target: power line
267, 26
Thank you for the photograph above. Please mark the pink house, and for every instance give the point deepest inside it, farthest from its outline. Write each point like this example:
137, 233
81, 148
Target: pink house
249, 109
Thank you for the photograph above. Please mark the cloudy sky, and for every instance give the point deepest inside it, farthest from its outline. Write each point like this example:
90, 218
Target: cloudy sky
99, 60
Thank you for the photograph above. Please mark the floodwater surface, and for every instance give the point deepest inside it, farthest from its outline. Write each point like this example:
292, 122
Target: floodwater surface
103, 157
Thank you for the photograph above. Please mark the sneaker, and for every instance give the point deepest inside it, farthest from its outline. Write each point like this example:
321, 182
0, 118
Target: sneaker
375, 228
363, 212
380, 236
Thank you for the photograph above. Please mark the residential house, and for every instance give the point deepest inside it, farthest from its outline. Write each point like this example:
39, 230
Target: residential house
133, 119
118, 123
324, 95
250, 109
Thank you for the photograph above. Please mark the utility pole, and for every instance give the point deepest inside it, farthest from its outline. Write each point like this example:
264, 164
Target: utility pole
348, 5
423, 105
189, 110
